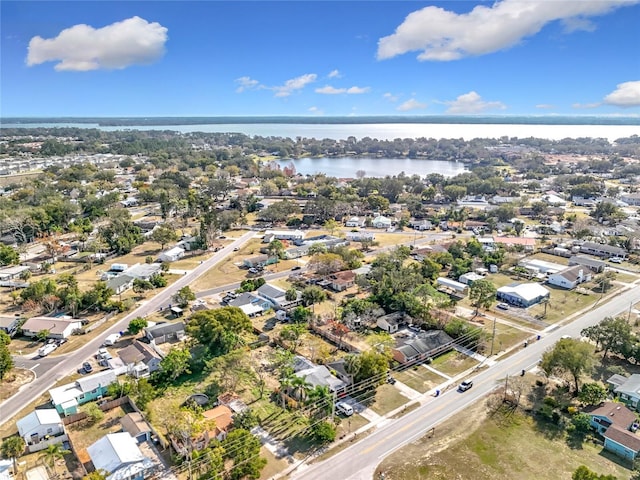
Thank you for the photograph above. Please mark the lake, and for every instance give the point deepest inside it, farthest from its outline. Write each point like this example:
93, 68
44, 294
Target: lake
373, 167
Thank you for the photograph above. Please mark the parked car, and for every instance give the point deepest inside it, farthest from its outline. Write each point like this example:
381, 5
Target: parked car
47, 349
616, 260
344, 408
464, 386
235, 249
297, 267
503, 306
86, 366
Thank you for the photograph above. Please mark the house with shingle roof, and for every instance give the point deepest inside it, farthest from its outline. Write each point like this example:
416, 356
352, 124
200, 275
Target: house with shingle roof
617, 425
570, 277
629, 391
424, 345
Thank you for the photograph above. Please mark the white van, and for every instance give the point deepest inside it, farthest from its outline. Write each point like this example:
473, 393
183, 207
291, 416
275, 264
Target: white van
344, 408
47, 349
111, 339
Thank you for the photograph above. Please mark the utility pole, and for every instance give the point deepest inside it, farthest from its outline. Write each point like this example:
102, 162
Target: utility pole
629, 315
493, 336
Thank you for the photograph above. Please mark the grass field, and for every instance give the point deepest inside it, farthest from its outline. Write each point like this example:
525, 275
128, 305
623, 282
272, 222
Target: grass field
419, 379
473, 446
453, 363
387, 398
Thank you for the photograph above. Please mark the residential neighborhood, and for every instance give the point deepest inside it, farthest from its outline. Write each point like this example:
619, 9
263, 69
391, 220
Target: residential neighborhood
292, 313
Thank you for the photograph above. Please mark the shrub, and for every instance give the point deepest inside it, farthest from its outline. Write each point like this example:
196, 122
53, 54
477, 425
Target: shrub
551, 402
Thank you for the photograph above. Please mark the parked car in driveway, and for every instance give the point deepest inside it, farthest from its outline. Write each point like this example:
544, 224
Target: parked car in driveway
344, 408
503, 306
464, 386
86, 366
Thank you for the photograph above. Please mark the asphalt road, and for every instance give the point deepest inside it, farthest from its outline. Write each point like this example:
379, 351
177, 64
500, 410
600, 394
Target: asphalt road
360, 460
49, 370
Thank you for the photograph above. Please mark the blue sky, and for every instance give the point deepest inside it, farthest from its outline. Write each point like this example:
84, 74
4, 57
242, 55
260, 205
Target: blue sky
314, 58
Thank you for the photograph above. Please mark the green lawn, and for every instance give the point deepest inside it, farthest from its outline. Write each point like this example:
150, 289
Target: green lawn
506, 336
562, 303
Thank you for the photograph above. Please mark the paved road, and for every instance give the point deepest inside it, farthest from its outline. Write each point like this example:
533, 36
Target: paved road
52, 369
360, 460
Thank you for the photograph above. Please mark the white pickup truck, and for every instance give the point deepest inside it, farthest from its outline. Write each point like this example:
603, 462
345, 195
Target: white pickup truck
47, 349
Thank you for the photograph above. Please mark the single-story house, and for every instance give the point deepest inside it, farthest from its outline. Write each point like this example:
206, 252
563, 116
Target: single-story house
135, 425
58, 327
596, 266
629, 391
223, 418
425, 345
86, 389
340, 281
381, 222
12, 273
419, 254
316, 375
251, 304
259, 261
120, 284
523, 294
9, 325
601, 250
360, 236
570, 277
143, 271
541, 266
618, 425
447, 283
291, 235
140, 358
41, 428
120, 457
164, 332
171, 255
631, 198
391, 322
528, 243
614, 381
469, 277
355, 222
421, 225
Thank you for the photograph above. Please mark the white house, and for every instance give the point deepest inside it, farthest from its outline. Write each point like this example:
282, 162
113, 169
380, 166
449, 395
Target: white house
119, 456
355, 222
360, 236
381, 222
283, 235
390, 323
452, 285
570, 277
41, 428
470, 277
58, 327
171, 255
523, 294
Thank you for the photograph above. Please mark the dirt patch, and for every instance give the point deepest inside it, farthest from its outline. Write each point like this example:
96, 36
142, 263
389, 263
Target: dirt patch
15, 379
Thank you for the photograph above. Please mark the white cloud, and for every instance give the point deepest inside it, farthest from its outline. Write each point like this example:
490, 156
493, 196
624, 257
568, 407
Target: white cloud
545, 106
329, 90
411, 104
472, 103
442, 35
391, 97
315, 110
334, 74
133, 41
585, 105
626, 94
294, 84
246, 83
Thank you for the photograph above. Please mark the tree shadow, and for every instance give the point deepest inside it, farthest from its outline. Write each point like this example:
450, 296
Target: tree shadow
575, 441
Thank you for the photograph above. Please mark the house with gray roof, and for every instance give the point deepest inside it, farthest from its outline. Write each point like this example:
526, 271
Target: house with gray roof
424, 345
67, 398
601, 250
596, 266
164, 332
317, 375
629, 391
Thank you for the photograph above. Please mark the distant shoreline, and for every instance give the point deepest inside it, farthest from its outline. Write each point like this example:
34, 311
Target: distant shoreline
367, 120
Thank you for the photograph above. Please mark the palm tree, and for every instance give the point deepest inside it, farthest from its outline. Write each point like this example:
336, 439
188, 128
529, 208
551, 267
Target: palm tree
321, 396
300, 388
12, 448
54, 452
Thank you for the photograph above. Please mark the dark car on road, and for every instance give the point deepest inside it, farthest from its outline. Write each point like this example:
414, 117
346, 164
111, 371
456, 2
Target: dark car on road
464, 386
297, 267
